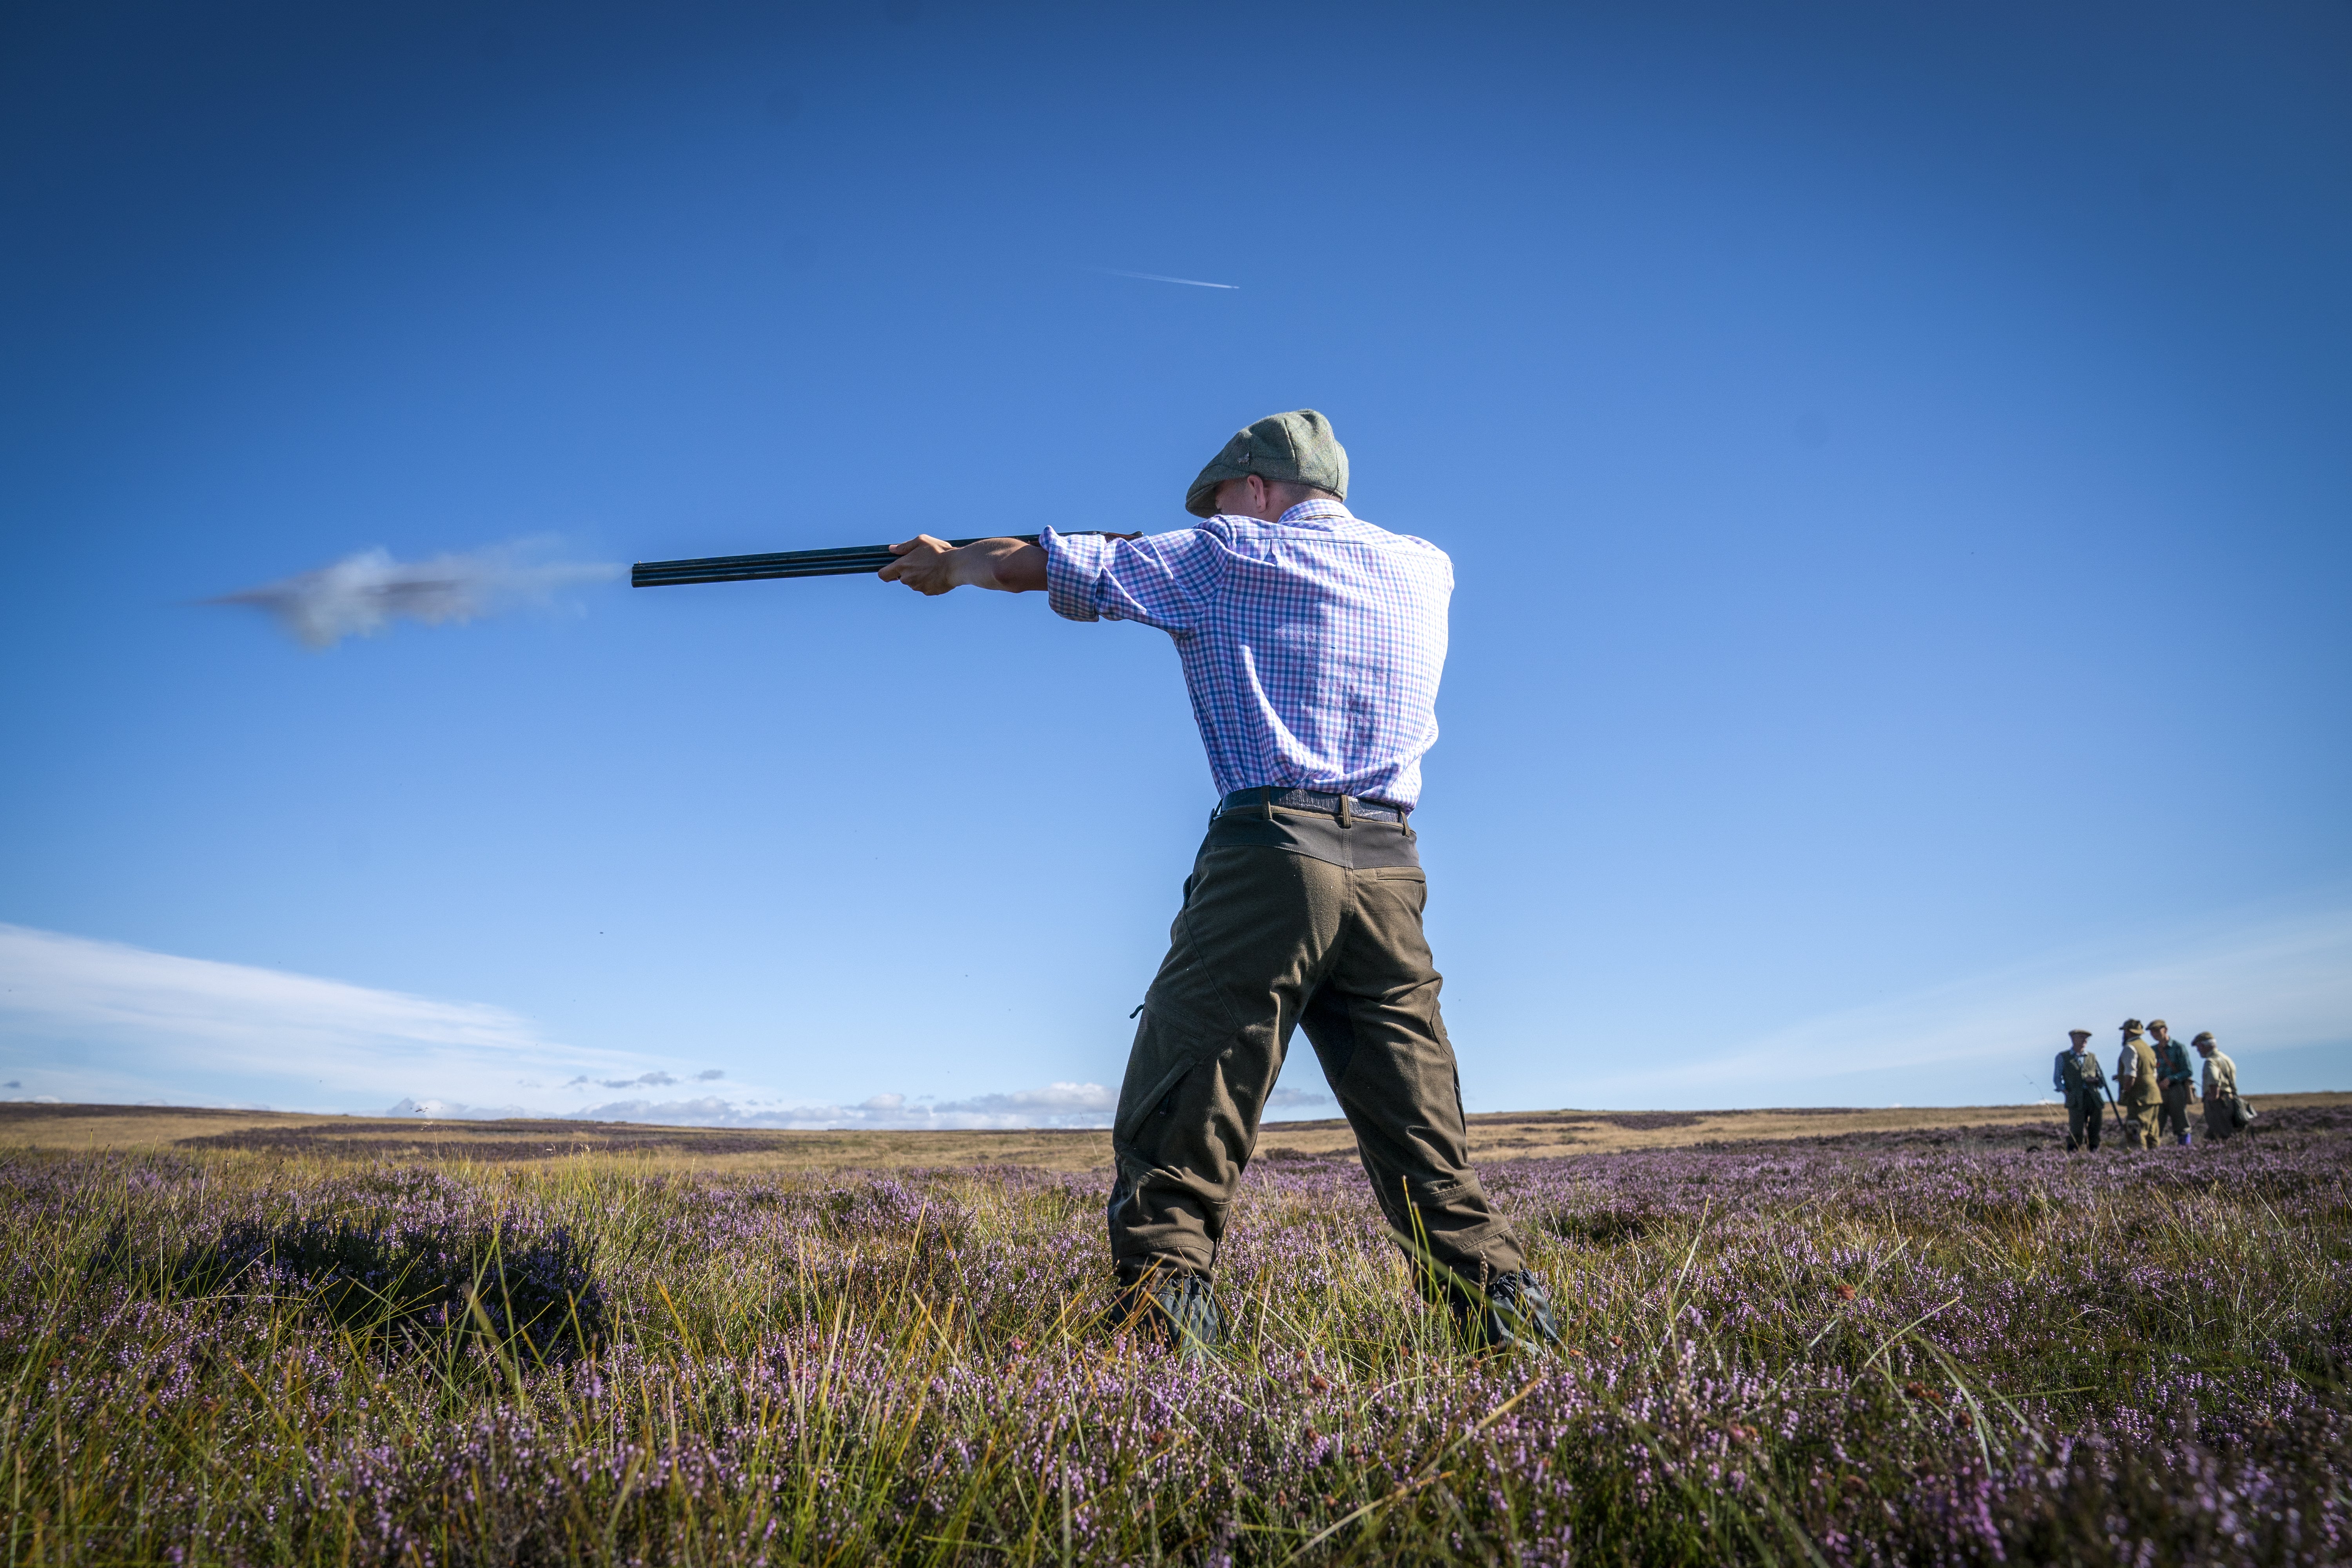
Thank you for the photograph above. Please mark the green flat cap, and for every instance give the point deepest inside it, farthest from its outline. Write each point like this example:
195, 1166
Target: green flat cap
2078, 1034
2204, 1037
1297, 448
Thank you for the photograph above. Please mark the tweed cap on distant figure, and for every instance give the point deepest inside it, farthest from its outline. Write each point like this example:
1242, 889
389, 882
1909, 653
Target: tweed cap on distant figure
2155, 1023
1297, 448
2078, 1034
2204, 1037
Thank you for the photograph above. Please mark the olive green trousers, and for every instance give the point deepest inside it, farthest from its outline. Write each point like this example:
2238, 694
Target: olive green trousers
1292, 918
2172, 1112
2086, 1120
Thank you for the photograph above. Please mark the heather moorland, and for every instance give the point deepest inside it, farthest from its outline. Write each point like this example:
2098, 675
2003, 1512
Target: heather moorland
1886, 1346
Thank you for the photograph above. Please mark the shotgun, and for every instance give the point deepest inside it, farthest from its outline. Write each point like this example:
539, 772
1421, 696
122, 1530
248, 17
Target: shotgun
843, 562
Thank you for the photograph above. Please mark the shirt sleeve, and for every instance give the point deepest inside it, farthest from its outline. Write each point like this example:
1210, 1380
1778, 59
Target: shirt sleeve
1165, 580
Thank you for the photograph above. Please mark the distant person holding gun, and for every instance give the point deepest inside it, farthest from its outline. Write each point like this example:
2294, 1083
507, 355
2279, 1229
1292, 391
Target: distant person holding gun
2176, 1082
1311, 643
2135, 1088
2080, 1081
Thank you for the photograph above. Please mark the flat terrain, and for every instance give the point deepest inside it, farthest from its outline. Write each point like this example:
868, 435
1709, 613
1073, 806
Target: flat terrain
1842, 1338
1501, 1135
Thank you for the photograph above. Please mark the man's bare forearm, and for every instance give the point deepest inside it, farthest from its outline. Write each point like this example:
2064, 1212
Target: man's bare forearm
1008, 565
929, 565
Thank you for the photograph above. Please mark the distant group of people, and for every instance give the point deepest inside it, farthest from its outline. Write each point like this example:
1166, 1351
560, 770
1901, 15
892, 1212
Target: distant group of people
2154, 1087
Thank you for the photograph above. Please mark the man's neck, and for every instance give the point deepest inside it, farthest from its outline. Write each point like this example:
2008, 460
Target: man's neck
1278, 505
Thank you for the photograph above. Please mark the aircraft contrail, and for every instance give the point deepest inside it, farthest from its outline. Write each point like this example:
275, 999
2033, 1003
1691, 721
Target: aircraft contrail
1162, 278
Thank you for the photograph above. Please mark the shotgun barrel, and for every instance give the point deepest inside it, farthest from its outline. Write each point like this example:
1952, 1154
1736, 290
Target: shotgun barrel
839, 563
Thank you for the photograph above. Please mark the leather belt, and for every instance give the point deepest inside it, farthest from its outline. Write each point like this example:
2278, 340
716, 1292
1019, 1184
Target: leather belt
1342, 806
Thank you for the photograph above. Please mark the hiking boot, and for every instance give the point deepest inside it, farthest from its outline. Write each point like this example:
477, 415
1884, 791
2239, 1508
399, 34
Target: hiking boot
1177, 1309
1514, 1314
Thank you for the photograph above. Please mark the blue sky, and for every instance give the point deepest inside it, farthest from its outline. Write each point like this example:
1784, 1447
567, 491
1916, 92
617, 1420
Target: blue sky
1894, 459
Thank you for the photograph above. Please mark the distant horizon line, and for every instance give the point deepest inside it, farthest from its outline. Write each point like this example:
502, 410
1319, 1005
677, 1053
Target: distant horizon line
52, 1104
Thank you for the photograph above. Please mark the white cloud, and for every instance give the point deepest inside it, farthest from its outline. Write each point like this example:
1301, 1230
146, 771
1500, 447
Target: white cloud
87, 1020
101, 1020
1055, 1105
456, 1111
2265, 983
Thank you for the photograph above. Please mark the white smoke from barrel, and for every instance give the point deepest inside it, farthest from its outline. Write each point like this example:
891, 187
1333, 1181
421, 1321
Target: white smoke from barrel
361, 595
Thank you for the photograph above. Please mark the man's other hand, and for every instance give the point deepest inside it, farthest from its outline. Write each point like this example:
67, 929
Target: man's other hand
932, 566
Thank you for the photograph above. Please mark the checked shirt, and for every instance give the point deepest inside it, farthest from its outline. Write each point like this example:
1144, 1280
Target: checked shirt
1311, 645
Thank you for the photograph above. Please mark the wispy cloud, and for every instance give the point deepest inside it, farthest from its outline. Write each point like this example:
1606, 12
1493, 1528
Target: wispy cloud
361, 595
1162, 278
2265, 982
87, 1020
102, 1020
1054, 1105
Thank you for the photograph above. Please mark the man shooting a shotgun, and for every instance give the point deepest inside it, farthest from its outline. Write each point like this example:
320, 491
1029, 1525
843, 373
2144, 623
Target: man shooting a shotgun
1311, 643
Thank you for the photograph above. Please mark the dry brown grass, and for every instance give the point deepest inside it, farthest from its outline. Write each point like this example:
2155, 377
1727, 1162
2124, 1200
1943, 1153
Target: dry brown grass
1501, 1135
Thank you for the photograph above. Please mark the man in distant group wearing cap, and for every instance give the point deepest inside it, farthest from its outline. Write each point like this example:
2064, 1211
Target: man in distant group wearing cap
2220, 1088
2135, 1088
2076, 1077
1311, 643
2176, 1082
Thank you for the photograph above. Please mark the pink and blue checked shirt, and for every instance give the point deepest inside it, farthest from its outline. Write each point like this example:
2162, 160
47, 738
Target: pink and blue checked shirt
1311, 645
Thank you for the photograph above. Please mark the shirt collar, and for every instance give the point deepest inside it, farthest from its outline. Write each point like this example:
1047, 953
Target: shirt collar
1318, 512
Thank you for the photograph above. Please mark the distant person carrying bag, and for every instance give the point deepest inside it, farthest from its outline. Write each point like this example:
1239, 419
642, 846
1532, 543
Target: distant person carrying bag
2225, 1114
1311, 643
